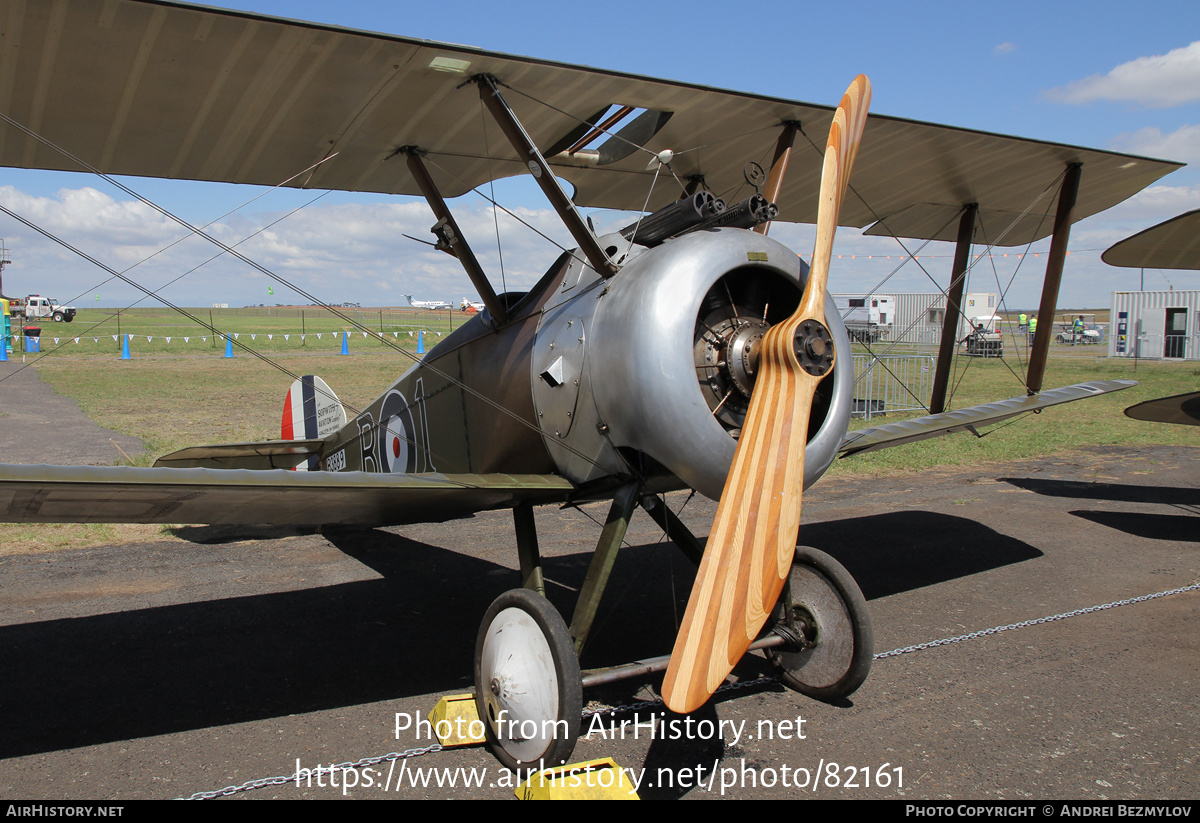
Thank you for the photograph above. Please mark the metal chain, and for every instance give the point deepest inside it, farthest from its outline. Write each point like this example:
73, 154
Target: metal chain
649, 704
996, 630
317, 772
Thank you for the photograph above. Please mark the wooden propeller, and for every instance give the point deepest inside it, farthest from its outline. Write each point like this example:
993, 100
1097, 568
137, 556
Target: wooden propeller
753, 539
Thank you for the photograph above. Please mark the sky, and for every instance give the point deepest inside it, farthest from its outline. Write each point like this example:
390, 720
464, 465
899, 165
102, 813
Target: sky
1099, 74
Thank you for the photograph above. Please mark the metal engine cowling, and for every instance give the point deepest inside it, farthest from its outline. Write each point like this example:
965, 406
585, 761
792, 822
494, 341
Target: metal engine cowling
669, 353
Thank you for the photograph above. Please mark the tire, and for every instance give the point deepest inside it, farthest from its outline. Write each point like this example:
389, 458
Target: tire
527, 685
58, 317
829, 608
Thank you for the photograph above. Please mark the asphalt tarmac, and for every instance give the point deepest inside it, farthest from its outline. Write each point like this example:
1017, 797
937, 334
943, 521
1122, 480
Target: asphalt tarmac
165, 669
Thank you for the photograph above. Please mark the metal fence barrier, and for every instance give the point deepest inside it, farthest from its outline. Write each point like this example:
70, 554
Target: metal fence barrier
891, 383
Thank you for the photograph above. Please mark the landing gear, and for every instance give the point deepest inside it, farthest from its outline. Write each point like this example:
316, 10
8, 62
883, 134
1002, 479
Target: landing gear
527, 685
831, 628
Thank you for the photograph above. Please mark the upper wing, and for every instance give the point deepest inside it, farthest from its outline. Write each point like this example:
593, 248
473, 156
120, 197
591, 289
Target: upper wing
935, 425
150, 88
103, 494
1172, 244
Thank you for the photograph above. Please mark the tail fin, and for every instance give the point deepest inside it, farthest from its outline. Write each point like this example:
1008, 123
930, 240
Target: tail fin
311, 411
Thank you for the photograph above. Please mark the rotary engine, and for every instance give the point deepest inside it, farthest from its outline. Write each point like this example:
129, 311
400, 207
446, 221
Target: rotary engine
660, 360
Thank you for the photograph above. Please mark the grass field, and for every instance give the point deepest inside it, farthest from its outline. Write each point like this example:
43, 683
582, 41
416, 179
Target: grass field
97, 332
176, 399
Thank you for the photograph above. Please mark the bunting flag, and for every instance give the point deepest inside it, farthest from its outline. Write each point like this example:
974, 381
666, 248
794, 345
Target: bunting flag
381, 335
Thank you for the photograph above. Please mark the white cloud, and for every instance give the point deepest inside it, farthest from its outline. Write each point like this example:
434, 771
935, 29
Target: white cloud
1183, 144
336, 252
1153, 205
1004, 48
1167, 79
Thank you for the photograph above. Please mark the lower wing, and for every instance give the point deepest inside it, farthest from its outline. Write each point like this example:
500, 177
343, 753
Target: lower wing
935, 425
122, 494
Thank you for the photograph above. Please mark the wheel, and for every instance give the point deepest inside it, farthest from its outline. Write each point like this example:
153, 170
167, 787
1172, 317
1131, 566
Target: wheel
527, 686
829, 612
58, 317
1062, 338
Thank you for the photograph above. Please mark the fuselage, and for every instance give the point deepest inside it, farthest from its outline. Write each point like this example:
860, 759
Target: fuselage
644, 374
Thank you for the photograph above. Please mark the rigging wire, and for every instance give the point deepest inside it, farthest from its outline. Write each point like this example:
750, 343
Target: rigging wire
277, 278
475, 190
154, 292
971, 264
194, 268
207, 225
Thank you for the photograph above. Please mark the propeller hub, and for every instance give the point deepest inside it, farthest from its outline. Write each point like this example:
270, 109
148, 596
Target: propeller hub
814, 348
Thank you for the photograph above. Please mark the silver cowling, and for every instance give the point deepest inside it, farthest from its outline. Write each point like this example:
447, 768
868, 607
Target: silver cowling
668, 366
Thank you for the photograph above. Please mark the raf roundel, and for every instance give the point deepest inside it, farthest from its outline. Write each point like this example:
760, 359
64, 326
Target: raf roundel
399, 453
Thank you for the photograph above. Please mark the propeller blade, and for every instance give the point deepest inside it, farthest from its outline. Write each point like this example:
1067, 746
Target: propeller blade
753, 539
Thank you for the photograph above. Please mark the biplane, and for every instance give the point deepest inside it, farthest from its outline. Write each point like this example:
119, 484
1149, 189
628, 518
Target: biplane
686, 350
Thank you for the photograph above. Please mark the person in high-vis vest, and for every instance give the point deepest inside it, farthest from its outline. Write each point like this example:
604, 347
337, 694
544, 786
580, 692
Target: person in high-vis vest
1023, 319
1032, 328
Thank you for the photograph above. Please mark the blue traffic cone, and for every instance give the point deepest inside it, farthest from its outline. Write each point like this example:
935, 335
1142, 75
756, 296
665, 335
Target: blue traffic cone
420, 343
3, 348
345, 342
125, 347
228, 346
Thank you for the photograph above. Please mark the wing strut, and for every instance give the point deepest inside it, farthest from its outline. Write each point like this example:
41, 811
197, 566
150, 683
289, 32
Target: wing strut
450, 237
950, 318
783, 153
1054, 268
526, 149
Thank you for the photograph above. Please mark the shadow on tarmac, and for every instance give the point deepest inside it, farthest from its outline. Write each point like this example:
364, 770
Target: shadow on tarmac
1181, 527
1121, 492
108, 677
